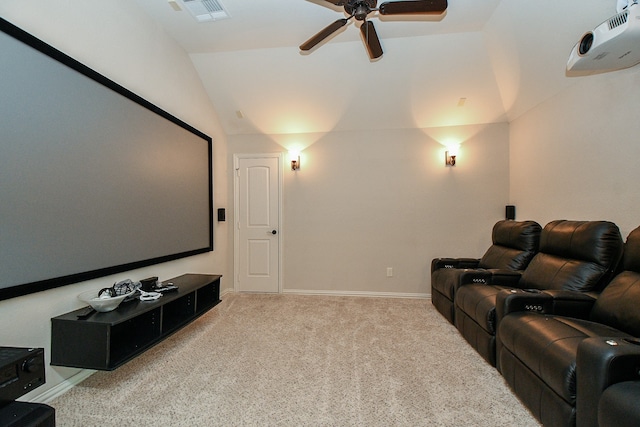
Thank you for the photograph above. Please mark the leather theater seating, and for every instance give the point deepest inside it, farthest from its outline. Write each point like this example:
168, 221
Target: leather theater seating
618, 406
573, 255
571, 357
514, 245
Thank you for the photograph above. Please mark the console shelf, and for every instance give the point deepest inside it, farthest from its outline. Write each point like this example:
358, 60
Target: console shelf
104, 341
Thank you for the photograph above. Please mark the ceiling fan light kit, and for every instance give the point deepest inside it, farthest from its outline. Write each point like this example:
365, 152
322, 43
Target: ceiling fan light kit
360, 10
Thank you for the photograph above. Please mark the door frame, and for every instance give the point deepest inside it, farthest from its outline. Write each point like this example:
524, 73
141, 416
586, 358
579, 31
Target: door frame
236, 210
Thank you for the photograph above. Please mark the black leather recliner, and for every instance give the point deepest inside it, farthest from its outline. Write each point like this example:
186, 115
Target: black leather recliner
615, 387
514, 245
563, 352
618, 405
573, 255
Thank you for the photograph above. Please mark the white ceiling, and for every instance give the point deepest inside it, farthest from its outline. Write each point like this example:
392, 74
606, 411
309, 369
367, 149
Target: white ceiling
504, 57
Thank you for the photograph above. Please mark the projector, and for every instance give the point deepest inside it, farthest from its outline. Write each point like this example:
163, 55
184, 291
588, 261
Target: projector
612, 45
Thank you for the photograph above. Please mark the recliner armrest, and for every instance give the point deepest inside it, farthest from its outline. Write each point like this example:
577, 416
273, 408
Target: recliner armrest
505, 277
490, 277
480, 276
572, 303
601, 362
438, 263
557, 302
515, 300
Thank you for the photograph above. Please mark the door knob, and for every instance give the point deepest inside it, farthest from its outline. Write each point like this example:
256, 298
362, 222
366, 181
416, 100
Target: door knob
274, 232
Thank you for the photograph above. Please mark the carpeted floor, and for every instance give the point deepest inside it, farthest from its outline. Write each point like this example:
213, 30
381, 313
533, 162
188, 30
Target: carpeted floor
286, 360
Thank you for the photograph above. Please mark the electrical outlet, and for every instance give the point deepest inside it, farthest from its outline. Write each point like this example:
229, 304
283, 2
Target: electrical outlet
389, 271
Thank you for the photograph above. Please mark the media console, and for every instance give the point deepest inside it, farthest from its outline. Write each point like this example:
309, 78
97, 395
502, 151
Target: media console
104, 341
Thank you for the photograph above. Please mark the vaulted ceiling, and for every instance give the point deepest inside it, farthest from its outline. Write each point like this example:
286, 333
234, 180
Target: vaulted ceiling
483, 61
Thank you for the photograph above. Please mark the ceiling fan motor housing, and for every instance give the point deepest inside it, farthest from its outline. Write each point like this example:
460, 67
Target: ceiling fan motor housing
359, 9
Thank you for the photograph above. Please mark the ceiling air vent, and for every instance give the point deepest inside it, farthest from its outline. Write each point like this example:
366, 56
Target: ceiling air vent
206, 10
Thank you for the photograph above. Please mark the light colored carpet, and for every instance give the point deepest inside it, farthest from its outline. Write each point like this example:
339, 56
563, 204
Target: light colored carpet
288, 360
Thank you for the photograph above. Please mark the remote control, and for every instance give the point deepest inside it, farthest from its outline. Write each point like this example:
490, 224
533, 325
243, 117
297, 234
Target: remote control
85, 312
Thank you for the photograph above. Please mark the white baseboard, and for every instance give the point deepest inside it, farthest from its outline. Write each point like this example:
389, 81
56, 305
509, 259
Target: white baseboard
345, 293
357, 293
63, 387
225, 292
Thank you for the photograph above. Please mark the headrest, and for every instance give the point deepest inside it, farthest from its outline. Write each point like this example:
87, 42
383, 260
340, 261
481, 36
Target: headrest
523, 235
617, 305
599, 242
574, 255
631, 257
514, 244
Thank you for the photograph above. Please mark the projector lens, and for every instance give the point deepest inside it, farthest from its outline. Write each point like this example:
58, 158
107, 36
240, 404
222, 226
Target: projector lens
585, 43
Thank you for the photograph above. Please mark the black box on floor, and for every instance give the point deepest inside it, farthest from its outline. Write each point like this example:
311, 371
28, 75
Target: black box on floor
21, 371
23, 414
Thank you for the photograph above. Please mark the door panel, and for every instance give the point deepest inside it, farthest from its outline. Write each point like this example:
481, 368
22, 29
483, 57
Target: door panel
257, 186
258, 252
258, 256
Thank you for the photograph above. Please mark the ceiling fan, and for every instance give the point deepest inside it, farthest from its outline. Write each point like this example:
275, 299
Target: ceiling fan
360, 9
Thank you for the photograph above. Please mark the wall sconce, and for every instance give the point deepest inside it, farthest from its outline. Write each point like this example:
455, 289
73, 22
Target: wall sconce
449, 159
450, 156
294, 156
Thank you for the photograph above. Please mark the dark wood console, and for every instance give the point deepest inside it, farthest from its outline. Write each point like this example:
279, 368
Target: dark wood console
105, 341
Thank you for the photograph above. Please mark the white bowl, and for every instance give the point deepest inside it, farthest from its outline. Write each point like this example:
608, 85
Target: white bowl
102, 304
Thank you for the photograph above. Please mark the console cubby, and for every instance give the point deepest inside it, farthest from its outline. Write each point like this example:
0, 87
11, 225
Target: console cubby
178, 312
104, 341
207, 296
133, 335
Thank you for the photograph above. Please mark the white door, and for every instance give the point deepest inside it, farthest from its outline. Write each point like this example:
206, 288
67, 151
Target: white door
258, 223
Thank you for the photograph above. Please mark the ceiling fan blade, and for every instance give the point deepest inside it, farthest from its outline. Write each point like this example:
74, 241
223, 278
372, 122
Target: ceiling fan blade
371, 39
337, 2
413, 7
326, 32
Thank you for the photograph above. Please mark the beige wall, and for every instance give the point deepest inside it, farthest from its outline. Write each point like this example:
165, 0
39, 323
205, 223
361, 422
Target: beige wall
364, 201
577, 155
115, 39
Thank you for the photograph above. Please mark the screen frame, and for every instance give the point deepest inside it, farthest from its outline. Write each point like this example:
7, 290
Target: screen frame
27, 288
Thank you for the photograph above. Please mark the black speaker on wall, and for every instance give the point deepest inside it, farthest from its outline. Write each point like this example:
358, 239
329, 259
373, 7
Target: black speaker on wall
510, 212
222, 216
